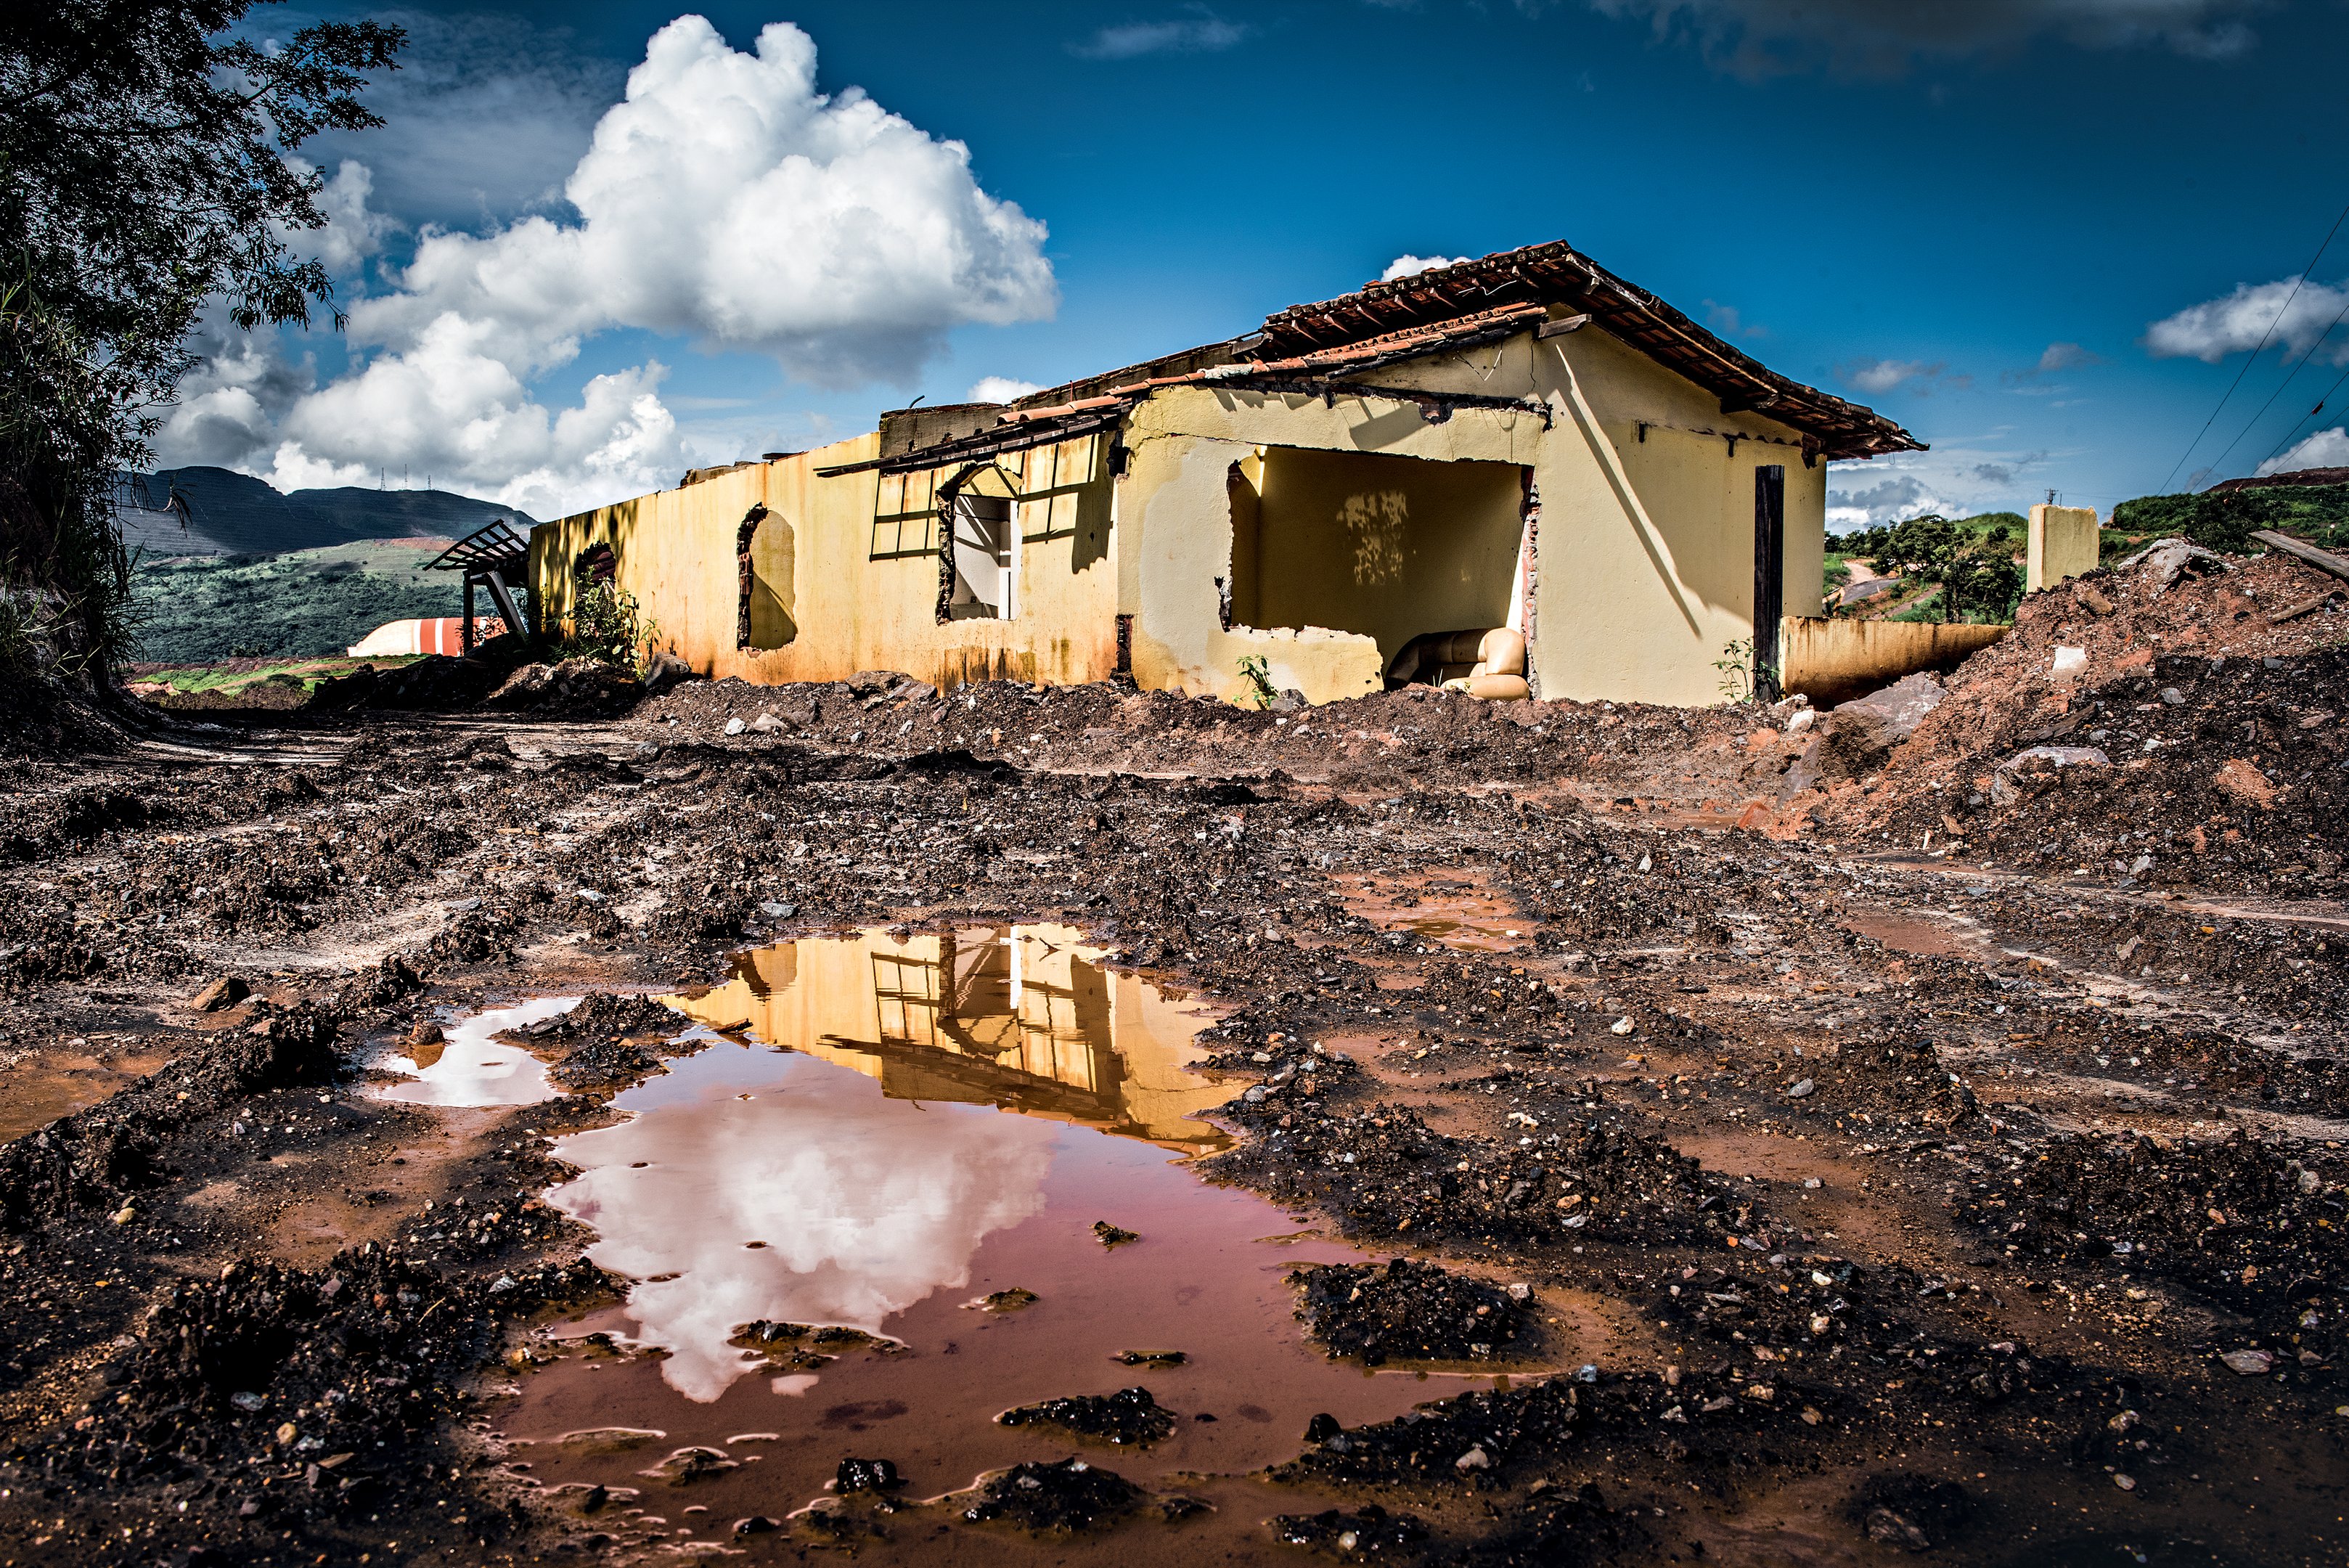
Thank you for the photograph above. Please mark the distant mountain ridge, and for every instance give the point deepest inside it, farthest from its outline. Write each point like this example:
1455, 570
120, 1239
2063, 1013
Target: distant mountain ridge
231, 514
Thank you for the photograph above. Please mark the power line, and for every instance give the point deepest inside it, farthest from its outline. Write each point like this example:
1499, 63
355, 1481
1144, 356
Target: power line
2291, 434
2307, 355
2256, 352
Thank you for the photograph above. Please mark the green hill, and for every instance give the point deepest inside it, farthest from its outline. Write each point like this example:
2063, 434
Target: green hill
300, 604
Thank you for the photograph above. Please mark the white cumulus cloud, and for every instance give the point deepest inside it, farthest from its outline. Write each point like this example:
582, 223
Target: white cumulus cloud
1406, 265
2325, 449
2295, 313
1956, 481
725, 201
1001, 390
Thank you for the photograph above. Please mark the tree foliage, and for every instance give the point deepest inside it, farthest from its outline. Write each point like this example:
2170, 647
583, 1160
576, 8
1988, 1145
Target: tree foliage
1972, 560
2226, 519
145, 171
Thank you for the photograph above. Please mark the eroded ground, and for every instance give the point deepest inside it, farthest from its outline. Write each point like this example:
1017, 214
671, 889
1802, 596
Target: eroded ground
1831, 1197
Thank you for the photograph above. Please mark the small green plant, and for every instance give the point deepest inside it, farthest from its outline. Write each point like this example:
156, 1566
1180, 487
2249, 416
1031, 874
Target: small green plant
1739, 673
1257, 673
607, 625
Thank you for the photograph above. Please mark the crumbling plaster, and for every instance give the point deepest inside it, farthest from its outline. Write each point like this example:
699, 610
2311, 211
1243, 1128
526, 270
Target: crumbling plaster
1645, 559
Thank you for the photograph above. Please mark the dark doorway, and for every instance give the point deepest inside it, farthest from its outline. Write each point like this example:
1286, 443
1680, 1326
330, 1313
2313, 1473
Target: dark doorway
1769, 577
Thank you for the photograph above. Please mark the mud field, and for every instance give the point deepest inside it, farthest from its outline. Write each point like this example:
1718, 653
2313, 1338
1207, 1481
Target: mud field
1008, 1126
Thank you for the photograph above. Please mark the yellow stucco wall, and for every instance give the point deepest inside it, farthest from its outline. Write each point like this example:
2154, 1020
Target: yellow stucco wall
2062, 544
1645, 537
1035, 1024
1646, 552
848, 567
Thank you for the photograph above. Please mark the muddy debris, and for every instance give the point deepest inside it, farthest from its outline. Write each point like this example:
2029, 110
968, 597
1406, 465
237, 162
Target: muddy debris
1129, 1416
1408, 1310
1112, 1235
1013, 1298
867, 1475
608, 1041
1930, 1137
1058, 1499
1369, 1532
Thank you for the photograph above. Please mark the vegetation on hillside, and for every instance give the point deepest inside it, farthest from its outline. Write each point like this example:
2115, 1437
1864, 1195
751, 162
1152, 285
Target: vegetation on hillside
148, 178
1969, 563
2225, 519
302, 604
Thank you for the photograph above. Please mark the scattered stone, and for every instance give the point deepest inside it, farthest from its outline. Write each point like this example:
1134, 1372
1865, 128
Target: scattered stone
1128, 1416
225, 991
866, 1475
1053, 1499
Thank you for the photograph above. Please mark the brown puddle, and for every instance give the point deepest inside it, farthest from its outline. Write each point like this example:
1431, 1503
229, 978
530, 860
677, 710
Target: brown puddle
39, 1086
1461, 915
1916, 932
853, 1166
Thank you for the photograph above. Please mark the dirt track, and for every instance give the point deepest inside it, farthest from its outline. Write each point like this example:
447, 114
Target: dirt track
1988, 1204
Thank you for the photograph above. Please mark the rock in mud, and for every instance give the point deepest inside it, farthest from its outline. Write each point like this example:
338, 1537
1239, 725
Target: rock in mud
1129, 1416
866, 1475
1914, 1513
225, 991
1113, 1236
1859, 735
1054, 1499
1370, 1532
1407, 1310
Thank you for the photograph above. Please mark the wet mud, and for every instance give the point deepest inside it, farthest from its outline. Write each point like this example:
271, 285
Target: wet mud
1871, 1195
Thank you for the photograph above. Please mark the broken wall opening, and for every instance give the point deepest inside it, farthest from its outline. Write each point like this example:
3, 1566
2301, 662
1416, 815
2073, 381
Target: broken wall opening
765, 552
1408, 552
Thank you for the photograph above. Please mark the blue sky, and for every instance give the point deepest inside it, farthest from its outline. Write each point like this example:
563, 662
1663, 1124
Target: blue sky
2045, 244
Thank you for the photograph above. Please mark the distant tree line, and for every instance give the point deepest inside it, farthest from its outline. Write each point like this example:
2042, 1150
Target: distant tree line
145, 175
2226, 519
1970, 561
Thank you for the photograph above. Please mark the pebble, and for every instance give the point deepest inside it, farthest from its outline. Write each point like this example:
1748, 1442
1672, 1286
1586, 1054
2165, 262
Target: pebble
2250, 1363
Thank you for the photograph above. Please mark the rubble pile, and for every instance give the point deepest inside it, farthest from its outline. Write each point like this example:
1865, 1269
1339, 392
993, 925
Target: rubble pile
608, 1041
2187, 739
1410, 1311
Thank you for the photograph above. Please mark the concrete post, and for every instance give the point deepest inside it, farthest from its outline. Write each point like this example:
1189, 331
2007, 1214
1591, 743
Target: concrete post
2062, 545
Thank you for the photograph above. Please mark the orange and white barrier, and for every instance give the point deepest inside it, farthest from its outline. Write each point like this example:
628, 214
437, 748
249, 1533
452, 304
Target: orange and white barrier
437, 634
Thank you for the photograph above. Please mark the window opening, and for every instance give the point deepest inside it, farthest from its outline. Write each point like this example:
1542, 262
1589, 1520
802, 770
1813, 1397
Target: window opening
596, 564
984, 548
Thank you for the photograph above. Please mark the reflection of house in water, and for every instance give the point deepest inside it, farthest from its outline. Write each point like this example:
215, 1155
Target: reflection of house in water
1023, 1017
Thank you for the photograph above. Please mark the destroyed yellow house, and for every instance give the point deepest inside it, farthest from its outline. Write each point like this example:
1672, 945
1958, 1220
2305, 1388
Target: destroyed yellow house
1521, 473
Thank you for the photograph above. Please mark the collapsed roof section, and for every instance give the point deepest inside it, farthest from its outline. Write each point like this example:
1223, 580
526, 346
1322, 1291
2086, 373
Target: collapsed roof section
1549, 289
